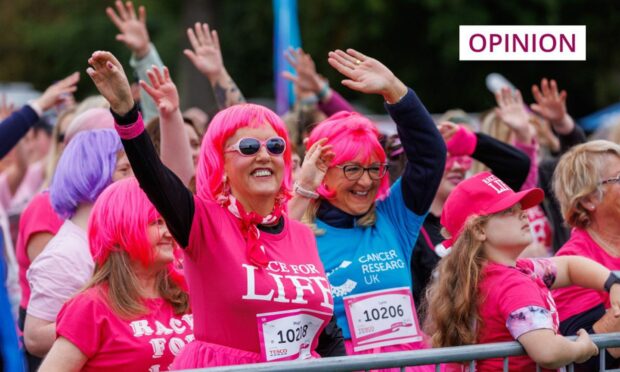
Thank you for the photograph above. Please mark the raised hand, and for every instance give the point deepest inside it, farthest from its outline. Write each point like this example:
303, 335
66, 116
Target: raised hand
306, 79
109, 77
206, 54
367, 75
316, 163
133, 31
6, 108
550, 103
55, 93
512, 112
162, 90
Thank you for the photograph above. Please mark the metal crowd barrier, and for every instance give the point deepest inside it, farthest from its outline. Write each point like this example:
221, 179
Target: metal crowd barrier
404, 359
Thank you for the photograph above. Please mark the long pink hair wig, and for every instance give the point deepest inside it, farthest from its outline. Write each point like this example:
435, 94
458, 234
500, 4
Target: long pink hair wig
210, 169
119, 221
354, 138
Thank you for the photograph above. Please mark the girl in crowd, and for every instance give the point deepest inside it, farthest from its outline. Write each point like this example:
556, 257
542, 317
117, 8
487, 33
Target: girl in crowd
134, 313
483, 293
365, 230
256, 283
586, 183
91, 161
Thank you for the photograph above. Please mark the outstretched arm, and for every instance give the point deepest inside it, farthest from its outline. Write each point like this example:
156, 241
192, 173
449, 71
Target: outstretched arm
165, 190
551, 105
423, 145
16, 125
206, 55
135, 35
308, 81
175, 151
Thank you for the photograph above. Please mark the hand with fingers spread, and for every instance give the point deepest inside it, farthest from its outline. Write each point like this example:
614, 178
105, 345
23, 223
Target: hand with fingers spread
162, 90
512, 112
306, 79
551, 104
316, 162
367, 75
6, 108
206, 54
109, 77
133, 31
56, 92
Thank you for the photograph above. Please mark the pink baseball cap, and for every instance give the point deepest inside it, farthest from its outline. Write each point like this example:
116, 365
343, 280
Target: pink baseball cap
482, 195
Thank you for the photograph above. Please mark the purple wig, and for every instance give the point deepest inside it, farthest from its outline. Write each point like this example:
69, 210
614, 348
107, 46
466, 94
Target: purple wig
84, 170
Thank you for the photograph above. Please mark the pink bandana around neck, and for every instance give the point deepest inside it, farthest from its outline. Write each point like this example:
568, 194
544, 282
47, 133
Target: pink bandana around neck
249, 229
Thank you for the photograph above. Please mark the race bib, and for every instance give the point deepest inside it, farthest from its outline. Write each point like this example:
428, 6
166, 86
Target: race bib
289, 335
382, 318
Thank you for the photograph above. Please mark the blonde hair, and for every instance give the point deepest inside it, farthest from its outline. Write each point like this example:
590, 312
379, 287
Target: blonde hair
121, 289
452, 300
578, 175
57, 146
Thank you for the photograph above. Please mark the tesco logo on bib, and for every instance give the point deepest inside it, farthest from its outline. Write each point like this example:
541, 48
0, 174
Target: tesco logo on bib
522, 43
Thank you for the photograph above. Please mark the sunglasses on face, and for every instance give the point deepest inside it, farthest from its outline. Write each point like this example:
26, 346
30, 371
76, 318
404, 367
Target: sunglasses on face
354, 172
464, 161
249, 146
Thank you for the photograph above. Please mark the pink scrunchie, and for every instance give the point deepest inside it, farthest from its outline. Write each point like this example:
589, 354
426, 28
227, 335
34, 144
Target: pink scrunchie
462, 143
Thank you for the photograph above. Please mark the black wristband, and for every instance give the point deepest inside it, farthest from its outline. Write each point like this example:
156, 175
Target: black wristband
611, 280
129, 118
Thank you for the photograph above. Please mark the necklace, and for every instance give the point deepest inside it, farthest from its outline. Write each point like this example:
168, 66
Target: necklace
603, 243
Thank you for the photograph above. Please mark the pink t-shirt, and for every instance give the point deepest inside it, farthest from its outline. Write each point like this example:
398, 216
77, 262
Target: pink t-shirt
227, 292
145, 343
38, 217
581, 244
59, 272
515, 300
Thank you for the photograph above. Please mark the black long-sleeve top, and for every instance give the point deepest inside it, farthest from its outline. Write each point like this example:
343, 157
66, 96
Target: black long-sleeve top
14, 127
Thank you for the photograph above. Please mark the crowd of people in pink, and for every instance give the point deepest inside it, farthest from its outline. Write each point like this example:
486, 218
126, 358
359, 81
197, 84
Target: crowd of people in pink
152, 238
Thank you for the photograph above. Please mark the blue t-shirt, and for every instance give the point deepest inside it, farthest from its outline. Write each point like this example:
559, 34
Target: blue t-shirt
365, 259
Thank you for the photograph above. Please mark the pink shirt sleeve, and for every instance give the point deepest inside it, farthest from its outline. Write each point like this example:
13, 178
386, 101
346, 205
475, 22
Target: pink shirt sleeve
335, 104
79, 322
521, 304
57, 274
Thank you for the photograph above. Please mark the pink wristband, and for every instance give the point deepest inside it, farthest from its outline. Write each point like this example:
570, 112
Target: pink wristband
462, 143
131, 131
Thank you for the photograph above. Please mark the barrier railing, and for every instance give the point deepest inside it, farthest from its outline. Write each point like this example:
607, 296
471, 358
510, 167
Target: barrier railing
404, 359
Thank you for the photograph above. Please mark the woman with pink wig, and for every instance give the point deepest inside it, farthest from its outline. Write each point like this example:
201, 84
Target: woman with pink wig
134, 313
366, 230
257, 286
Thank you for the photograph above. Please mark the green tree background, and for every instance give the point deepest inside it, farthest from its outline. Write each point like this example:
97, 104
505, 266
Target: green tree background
45, 40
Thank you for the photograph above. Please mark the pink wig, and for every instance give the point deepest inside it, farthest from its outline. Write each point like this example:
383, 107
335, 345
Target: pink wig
119, 221
210, 170
354, 138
